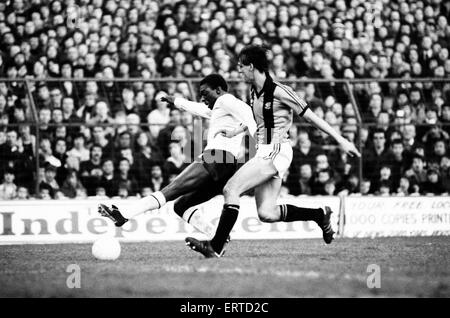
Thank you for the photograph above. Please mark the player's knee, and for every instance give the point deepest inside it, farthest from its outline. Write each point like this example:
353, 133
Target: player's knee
268, 214
229, 190
179, 207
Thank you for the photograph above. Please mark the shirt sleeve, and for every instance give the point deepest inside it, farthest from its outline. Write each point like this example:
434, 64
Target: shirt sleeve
194, 108
239, 110
288, 97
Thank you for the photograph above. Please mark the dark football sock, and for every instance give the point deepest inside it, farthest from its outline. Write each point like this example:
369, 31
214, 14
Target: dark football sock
290, 213
226, 222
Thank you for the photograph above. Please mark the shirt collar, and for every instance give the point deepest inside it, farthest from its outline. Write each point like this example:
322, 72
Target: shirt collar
266, 86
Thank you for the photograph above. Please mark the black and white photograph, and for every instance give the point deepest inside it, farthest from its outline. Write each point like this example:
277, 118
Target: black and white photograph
225, 154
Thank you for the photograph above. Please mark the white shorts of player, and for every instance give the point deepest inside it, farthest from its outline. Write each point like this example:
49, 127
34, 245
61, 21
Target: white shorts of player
280, 154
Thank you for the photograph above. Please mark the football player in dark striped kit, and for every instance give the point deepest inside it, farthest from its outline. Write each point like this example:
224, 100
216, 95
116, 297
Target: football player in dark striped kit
273, 106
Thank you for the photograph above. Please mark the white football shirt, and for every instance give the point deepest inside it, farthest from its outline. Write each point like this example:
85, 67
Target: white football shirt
228, 113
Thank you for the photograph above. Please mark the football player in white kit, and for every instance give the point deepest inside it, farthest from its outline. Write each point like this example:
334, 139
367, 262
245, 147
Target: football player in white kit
273, 105
205, 178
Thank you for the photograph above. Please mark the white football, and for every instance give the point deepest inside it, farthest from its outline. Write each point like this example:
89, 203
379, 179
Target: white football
106, 249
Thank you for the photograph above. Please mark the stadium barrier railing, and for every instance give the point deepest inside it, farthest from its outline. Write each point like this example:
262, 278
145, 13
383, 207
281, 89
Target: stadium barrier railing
346, 93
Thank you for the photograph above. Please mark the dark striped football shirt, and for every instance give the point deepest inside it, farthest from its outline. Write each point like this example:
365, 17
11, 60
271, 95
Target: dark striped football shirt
285, 103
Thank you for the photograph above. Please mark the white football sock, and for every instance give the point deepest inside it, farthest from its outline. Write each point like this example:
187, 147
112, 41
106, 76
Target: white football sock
152, 202
195, 217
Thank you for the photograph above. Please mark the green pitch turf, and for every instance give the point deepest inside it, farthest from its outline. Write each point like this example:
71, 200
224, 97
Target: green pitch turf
409, 267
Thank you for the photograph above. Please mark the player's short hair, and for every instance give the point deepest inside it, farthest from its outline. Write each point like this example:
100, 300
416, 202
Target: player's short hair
256, 55
215, 81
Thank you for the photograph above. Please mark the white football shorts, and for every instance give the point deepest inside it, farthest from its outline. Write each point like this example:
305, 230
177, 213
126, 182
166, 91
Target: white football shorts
280, 154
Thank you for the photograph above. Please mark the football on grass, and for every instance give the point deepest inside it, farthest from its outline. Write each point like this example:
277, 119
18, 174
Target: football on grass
106, 249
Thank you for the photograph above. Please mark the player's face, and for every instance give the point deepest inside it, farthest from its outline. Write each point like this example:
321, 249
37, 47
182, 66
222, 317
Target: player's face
246, 72
208, 95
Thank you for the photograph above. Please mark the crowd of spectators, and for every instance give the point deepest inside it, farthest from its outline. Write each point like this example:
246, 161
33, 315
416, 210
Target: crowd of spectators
107, 138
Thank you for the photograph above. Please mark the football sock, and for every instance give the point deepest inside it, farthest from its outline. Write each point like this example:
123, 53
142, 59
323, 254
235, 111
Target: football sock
152, 202
290, 213
227, 219
195, 217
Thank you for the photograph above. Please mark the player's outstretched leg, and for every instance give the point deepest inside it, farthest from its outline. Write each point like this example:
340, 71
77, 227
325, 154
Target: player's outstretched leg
189, 180
112, 213
322, 216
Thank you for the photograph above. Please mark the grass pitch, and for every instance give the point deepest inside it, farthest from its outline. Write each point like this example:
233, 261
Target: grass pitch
409, 267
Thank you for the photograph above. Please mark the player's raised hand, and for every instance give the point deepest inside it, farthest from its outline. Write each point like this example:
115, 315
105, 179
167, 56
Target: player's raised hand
349, 148
168, 99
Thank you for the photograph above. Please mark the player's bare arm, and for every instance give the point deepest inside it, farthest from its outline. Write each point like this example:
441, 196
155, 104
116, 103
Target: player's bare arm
321, 124
195, 108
